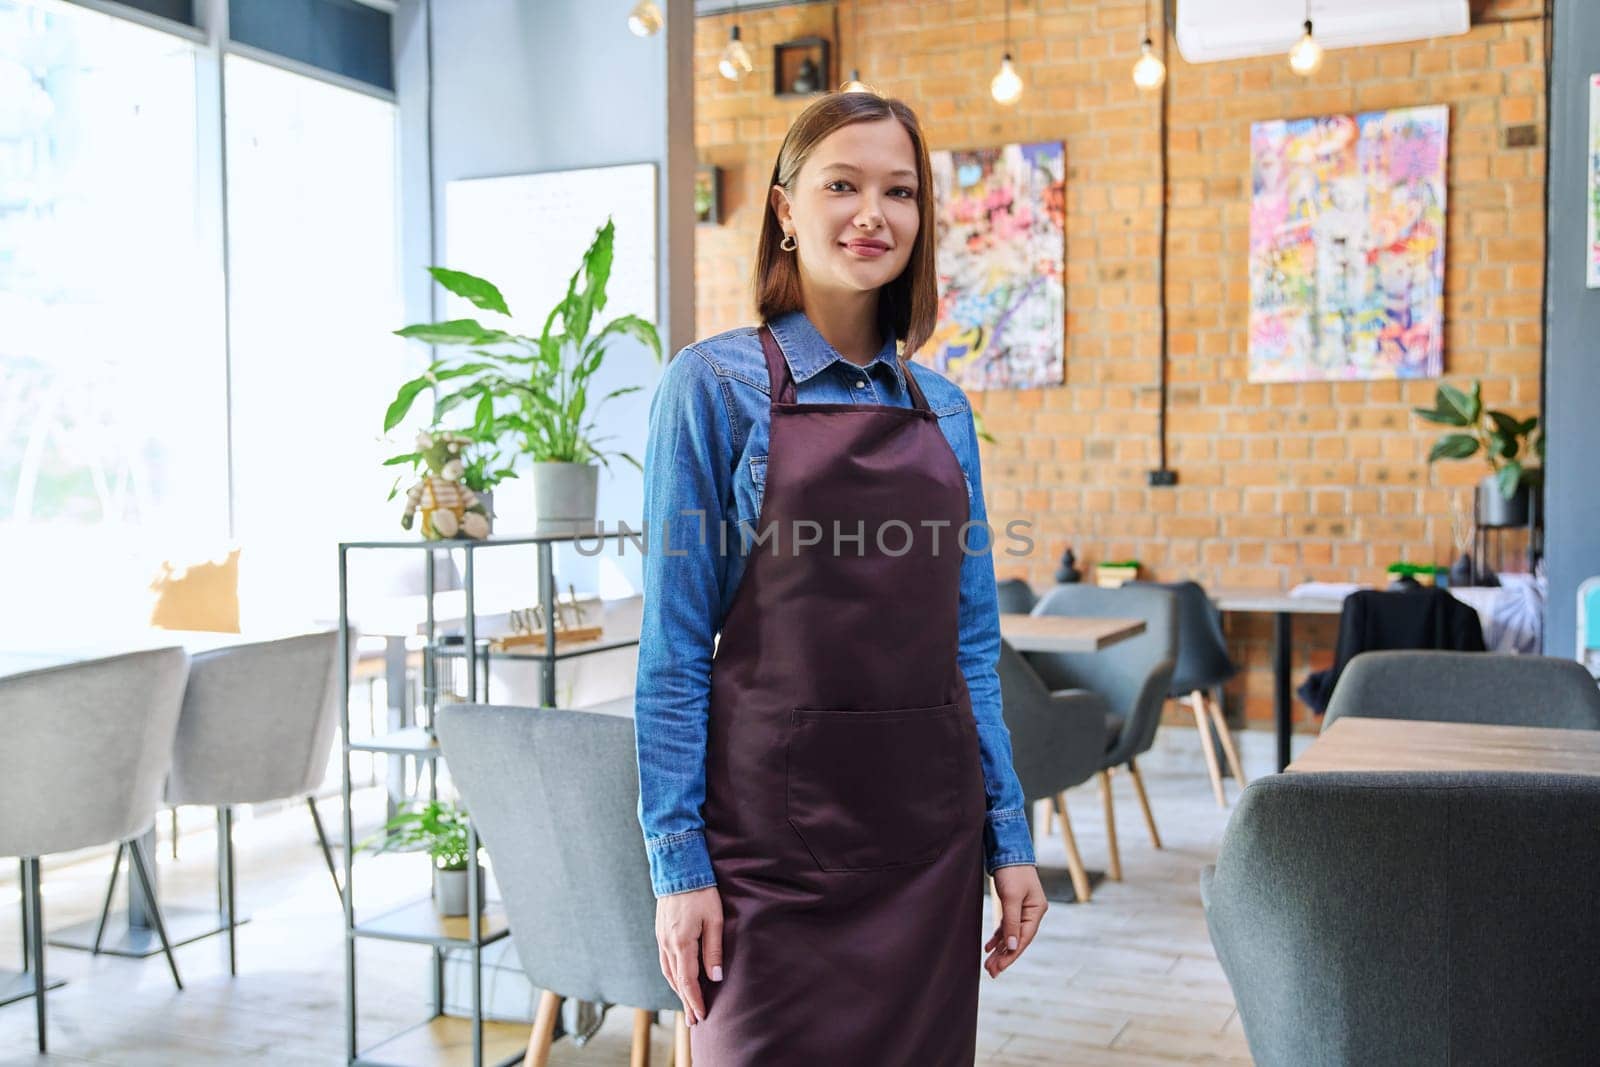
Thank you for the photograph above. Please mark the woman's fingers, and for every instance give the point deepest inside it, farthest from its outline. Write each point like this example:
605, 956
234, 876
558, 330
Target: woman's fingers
1022, 906
686, 964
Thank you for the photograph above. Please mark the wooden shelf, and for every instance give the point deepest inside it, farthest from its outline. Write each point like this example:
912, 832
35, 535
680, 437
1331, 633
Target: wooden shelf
445, 1041
420, 923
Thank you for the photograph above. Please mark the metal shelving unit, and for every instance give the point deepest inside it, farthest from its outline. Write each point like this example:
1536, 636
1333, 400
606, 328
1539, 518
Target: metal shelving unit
444, 1039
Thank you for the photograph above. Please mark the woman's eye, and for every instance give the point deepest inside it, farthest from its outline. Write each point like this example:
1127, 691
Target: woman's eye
836, 181
910, 193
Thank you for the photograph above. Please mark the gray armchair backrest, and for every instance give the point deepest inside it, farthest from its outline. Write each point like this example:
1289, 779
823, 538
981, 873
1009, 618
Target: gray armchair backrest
1133, 675
1203, 660
1470, 687
84, 749
1015, 596
1057, 739
258, 722
554, 795
1412, 918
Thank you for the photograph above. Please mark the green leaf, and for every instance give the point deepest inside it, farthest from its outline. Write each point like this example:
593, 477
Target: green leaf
402, 402
1504, 436
483, 419
1443, 418
453, 332
409, 457
1467, 407
632, 326
472, 288
1453, 446
1510, 477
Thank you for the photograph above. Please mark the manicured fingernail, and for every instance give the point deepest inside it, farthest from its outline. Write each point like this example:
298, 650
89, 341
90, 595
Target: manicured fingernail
1011, 943
716, 974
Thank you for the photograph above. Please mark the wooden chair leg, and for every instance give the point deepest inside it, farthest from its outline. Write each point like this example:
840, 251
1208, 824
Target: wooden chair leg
1144, 803
544, 1029
1202, 723
680, 1041
1228, 748
1080, 877
1049, 819
640, 1056
1113, 859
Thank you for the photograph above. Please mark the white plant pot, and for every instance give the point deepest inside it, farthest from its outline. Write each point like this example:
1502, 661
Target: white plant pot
564, 497
450, 891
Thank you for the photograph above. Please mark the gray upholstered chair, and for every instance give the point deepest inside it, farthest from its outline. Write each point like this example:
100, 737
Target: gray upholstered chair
1380, 918
1057, 741
87, 747
554, 795
1469, 687
1133, 676
1203, 665
258, 725
1016, 596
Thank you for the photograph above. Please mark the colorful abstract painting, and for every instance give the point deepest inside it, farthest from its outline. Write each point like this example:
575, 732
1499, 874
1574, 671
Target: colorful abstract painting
1001, 250
1592, 255
1347, 227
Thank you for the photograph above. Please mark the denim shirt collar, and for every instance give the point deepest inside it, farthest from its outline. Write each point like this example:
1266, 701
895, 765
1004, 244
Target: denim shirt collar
808, 352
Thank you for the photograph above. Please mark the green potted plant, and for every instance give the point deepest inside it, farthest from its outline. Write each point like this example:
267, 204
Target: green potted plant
1508, 445
440, 828
533, 391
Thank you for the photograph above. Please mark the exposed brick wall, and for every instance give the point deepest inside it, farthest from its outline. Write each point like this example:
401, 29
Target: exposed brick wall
1278, 483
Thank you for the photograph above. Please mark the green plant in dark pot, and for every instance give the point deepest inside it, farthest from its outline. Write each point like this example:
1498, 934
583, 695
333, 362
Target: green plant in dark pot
440, 829
531, 393
1509, 445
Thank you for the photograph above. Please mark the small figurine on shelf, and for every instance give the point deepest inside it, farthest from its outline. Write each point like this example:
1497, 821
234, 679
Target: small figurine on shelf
449, 508
1067, 573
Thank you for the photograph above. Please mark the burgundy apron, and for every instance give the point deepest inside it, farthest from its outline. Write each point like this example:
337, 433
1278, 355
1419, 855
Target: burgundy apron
844, 808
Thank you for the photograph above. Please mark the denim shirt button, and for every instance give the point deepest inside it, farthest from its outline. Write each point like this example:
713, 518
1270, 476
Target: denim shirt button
860, 384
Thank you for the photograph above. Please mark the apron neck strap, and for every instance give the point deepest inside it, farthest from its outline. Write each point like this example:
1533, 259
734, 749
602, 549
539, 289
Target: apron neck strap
782, 381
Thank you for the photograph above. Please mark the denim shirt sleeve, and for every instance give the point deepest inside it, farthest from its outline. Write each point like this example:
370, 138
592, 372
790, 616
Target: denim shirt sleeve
1008, 841
687, 469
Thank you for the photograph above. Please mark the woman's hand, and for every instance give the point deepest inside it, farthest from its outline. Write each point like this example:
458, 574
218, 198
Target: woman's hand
1022, 905
689, 926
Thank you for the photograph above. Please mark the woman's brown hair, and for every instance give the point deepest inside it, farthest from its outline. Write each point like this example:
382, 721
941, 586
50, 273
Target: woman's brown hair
908, 306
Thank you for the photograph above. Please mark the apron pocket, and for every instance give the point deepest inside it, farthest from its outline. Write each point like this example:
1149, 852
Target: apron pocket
866, 790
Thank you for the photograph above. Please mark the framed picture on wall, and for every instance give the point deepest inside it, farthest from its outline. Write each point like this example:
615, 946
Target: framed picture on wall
708, 195
1347, 236
1001, 218
801, 67
1592, 247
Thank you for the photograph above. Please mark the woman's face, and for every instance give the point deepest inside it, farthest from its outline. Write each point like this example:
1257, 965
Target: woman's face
853, 210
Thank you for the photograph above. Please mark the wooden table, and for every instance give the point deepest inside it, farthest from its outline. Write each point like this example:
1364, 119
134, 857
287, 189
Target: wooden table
1283, 608
1357, 744
1065, 633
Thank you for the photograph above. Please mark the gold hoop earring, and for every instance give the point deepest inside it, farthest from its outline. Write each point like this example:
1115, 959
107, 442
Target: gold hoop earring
788, 244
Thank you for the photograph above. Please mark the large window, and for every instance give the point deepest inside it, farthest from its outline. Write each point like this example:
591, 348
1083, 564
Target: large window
112, 413
143, 415
314, 297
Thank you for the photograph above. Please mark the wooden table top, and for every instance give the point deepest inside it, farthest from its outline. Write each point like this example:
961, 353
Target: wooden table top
1065, 633
1356, 744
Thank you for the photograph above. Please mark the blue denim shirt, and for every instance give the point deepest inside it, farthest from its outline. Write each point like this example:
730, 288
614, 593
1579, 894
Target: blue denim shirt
707, 453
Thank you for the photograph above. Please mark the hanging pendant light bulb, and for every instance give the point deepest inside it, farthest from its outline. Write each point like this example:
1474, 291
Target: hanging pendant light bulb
735, 62
645, 19
1305, 58
855, 84
1148, 71
1006, 86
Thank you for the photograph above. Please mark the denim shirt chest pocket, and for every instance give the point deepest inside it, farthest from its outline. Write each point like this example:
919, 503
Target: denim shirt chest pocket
749, 489
950, 416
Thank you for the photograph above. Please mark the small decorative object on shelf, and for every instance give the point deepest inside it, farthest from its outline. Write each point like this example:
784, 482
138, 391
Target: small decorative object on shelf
441, 828
1068, 573
801, 67
527, 625
1405, 575
708, 195
449, 509
1116, 575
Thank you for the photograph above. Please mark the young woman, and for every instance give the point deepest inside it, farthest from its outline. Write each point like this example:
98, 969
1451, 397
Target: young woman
824, 771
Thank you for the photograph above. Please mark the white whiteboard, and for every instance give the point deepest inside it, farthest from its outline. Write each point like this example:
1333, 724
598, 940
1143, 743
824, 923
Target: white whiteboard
527, 233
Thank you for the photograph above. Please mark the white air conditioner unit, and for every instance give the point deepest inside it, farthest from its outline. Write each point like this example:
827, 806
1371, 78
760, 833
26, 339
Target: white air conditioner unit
1210, 30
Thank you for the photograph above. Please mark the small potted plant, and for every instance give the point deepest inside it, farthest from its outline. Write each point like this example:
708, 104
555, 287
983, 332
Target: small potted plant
534, 390
1508, 445
440, 828
1114, 574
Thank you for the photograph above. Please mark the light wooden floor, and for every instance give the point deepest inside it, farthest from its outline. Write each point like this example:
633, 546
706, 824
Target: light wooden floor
1128, 979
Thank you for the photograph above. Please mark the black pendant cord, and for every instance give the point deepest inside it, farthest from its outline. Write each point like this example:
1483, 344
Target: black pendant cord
1544, 284
1163, 476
